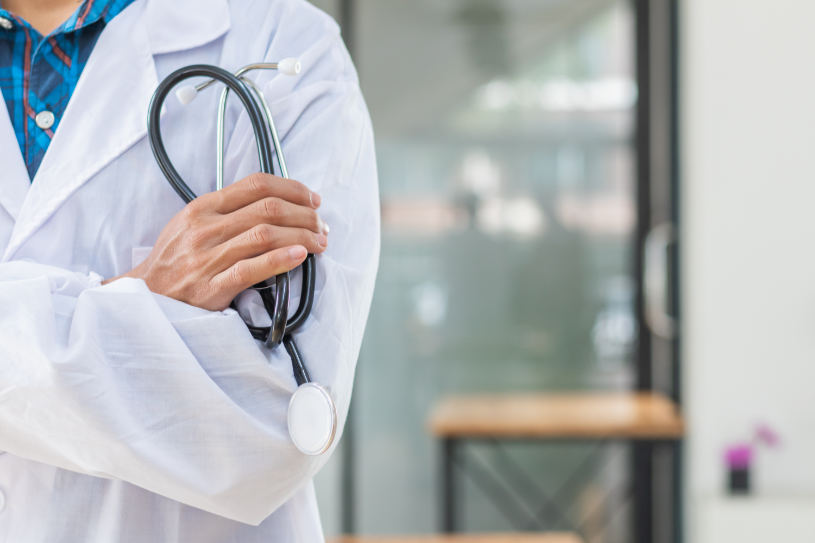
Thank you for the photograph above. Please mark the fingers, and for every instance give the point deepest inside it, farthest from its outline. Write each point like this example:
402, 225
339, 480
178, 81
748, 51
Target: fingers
264, 238
257, 187
273, 211
245, 273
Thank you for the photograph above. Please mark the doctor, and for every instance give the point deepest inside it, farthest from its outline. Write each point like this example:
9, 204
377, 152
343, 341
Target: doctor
134, 406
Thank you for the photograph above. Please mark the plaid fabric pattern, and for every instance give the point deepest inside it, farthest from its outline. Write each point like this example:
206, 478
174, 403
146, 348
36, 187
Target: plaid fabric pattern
39, 73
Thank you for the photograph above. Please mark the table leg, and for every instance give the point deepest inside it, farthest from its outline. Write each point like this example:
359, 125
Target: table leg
643, 470
448, 486
678, 496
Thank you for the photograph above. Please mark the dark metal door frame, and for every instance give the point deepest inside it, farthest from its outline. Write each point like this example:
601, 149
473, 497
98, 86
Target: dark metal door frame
657, 355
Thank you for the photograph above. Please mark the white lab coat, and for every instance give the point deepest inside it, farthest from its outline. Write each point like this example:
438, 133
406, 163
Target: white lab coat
130, 417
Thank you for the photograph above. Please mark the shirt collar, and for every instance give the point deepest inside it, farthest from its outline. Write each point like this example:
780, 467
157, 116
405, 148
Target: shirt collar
173, 25
89, 12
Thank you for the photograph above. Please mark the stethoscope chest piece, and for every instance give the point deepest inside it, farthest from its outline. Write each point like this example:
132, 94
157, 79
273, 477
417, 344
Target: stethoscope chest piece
312, 416
312, 419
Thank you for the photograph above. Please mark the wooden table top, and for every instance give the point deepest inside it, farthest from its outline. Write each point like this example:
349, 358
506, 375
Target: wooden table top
624, 415
463, 538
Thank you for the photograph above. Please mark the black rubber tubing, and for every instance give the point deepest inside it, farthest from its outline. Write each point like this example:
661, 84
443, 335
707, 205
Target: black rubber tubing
281, 328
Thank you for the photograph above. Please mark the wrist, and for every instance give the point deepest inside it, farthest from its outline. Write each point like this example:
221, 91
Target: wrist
132, 273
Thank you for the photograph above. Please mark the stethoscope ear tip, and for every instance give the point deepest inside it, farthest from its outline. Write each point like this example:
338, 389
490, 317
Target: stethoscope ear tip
290, 66
186, 94
312, 419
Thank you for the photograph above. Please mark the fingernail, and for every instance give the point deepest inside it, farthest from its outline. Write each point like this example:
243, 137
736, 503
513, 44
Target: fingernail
323, 226
298, 252
315, 199
322, 241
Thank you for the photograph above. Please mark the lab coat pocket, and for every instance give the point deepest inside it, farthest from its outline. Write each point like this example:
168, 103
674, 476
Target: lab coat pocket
138, 254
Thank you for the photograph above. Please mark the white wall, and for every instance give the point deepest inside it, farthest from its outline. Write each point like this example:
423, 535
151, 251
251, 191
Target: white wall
748, 174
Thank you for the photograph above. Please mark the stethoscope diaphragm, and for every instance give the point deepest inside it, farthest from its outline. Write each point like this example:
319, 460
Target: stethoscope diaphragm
312, 419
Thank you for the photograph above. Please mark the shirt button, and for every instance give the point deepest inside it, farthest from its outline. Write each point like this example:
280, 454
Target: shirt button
44, 119
6, 24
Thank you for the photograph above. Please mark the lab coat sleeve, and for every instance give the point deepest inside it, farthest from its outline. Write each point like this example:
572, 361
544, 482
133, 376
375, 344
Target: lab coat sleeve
117, 382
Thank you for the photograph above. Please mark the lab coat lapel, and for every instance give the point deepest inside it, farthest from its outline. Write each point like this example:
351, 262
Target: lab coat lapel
107, 113
105, 116
14, 179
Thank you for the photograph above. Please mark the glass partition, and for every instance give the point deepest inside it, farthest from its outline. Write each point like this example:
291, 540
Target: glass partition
505, 143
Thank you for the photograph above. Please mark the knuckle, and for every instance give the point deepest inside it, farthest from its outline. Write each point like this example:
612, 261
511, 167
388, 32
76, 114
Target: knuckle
191, 211
314, 221
198, 236
189, 290
262, 234
199, 260
258, 182
272, 207
196, 292
313, 244
239, 274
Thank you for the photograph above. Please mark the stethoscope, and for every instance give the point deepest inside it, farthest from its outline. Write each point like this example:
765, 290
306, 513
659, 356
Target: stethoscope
312, 416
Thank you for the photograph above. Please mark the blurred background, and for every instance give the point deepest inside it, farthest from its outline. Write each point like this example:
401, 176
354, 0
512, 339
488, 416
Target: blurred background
603, 204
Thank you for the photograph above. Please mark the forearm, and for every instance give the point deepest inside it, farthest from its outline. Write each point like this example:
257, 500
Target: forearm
118, 382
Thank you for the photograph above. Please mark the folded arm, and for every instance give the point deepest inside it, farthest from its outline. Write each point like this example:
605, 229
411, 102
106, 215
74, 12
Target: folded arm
118, 381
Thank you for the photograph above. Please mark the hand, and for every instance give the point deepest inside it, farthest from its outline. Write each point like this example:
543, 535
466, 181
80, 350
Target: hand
224, 242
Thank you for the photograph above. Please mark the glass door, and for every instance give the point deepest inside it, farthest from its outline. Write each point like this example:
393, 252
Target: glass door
508, 158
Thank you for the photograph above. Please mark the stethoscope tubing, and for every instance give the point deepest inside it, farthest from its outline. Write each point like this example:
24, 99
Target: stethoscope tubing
268, 144
221, 126
235, 85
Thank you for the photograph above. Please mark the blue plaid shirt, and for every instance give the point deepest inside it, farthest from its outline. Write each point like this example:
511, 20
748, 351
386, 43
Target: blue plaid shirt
39, 73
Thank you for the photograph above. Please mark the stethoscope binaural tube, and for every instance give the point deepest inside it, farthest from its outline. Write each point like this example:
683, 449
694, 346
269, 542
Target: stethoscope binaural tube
278, 307
312, 416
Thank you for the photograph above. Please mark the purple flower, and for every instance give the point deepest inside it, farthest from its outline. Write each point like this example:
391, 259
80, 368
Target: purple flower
739, 456
767, 435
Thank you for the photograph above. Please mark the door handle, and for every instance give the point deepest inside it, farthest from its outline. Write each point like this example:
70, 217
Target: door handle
656, 280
